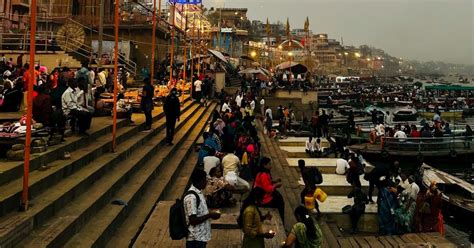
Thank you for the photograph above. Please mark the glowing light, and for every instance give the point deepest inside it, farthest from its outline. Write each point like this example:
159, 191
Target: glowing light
253, 54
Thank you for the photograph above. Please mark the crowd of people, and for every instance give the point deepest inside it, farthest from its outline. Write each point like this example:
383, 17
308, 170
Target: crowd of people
404, 203
438, 128
231, 162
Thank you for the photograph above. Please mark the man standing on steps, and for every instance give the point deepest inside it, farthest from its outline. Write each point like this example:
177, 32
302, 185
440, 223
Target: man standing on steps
172, 112
197, 214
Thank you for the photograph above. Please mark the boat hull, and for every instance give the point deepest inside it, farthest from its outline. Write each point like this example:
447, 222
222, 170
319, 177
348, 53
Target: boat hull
405, 117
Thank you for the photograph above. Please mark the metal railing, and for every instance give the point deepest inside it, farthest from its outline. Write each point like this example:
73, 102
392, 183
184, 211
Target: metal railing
431, 144
44, 43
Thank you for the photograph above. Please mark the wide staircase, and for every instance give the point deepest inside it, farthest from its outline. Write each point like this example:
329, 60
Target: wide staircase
336, 186
334, 224
84, 200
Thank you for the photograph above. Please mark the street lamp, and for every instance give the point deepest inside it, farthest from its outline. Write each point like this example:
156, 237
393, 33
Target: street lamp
346, 53
253, 54
357, 55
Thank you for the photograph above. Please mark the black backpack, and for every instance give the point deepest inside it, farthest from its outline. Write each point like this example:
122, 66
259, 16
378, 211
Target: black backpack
177, 221
312, 176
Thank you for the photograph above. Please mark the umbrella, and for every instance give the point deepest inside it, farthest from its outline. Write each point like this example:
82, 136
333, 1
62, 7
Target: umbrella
218, 54
293, 66
246, 57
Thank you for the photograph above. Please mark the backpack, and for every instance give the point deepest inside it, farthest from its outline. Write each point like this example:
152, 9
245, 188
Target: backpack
318, 177
177, 221
312, 176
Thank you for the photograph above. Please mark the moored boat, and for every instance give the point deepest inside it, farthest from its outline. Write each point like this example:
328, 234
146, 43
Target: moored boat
405, 114
457, 194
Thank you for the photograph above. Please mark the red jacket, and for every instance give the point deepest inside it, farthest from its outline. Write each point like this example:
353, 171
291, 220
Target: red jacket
264, 181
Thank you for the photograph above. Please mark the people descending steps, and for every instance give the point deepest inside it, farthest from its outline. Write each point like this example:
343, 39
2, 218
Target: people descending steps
171, 107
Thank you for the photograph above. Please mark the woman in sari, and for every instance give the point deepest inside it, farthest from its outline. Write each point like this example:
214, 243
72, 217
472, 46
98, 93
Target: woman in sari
405, 213
428, 211
306, 232
250, 221
387, 203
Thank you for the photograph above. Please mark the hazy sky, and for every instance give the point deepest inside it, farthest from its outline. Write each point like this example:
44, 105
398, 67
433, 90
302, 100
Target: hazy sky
413, 29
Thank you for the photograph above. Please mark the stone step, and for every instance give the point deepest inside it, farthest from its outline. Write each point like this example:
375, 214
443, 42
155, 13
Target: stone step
57, 170
129, 229
334, 184
153, 175
331, 209
12, 170
295, 151
52, 200
324, 165
300, 141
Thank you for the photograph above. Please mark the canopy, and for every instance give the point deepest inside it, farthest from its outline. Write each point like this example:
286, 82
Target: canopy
369, 109
449, 87
218, 54
293, 66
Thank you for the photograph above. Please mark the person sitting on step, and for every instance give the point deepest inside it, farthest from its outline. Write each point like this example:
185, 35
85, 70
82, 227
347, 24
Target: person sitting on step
218, 193
264, 180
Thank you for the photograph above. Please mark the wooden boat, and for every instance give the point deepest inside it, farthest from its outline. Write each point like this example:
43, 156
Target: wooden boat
418, 148
444, 114
405, 114
468, 112
345, 110
458, 194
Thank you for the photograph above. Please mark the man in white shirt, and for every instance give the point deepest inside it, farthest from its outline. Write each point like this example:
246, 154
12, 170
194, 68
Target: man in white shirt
211, 162
71, 107
309, 146
197, 214
7, 83
198, 90
231, 163
380, 130
252, 105
341, 166
269, 111
413, 189
238, 100
262, 106
399, 134
225, 108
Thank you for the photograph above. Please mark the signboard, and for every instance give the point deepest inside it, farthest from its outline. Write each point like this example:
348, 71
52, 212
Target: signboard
186, 1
